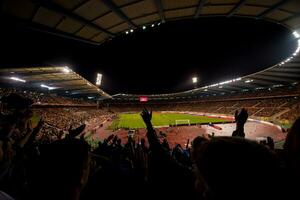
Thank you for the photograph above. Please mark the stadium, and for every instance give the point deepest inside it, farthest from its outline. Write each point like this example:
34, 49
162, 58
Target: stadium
189, 99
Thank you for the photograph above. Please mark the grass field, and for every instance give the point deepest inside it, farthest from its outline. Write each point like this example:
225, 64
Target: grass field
160, 119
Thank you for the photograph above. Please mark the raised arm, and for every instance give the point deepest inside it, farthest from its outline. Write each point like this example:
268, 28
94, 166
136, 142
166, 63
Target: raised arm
240, 119
151, 134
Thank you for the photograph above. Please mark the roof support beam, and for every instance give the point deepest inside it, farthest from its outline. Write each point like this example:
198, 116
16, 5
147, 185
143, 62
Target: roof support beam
23, 24
291, 17
265, 82
113, 7
54, 81
274, 79
62, 11
84, 91
199, 8
160, 10
236, 8
281, 74
286, 70
273, 8
77, 88
230, 87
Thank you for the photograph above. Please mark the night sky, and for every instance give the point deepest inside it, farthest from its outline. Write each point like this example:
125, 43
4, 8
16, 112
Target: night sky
162, 59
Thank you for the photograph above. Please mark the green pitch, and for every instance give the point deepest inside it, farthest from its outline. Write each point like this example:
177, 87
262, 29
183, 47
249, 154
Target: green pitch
160, 119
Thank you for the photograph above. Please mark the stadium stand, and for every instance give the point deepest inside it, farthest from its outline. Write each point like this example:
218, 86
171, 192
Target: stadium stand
35, 161
52, 157
267, 104
44, 98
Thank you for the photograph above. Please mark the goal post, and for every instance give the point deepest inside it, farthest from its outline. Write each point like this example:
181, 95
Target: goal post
182, 122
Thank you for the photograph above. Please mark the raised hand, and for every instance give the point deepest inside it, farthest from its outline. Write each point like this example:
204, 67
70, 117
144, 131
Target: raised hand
74, 132
109, 138
147, 116
241, 118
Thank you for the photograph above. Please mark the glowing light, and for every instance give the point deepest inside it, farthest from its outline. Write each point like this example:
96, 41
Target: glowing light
152, 25
98, 79
296, 34
66, 70
17, 79
144, 27
48, 87
194, 79
131, 30
249, 81
127, 32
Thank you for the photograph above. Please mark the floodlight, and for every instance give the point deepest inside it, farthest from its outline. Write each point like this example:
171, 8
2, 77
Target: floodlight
48, 87
127, 32
296, 34
98, 79
17, 79
66, 70
144, 27
195, 79
131, 30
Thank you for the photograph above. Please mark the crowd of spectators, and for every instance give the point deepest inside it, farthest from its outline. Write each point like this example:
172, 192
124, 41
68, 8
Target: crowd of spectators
206, 168
258, 103
257, 108
278, 103
45, 98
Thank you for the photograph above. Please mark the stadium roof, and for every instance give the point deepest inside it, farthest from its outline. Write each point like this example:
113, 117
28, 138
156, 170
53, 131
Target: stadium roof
283, 74
59, 80
95, 21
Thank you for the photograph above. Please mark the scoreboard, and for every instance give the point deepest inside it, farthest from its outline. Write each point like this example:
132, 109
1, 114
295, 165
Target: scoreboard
143, 99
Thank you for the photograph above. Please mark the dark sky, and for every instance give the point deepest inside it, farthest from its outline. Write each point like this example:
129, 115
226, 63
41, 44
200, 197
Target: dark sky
161, 59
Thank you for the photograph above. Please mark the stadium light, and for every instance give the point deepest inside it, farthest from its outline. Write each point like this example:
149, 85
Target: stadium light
249, 81
131, 30
17, 79
144, 27
152, 25
48, 87
194, 79
158, 24
66, 70
127, 32
296, 34
98, 79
